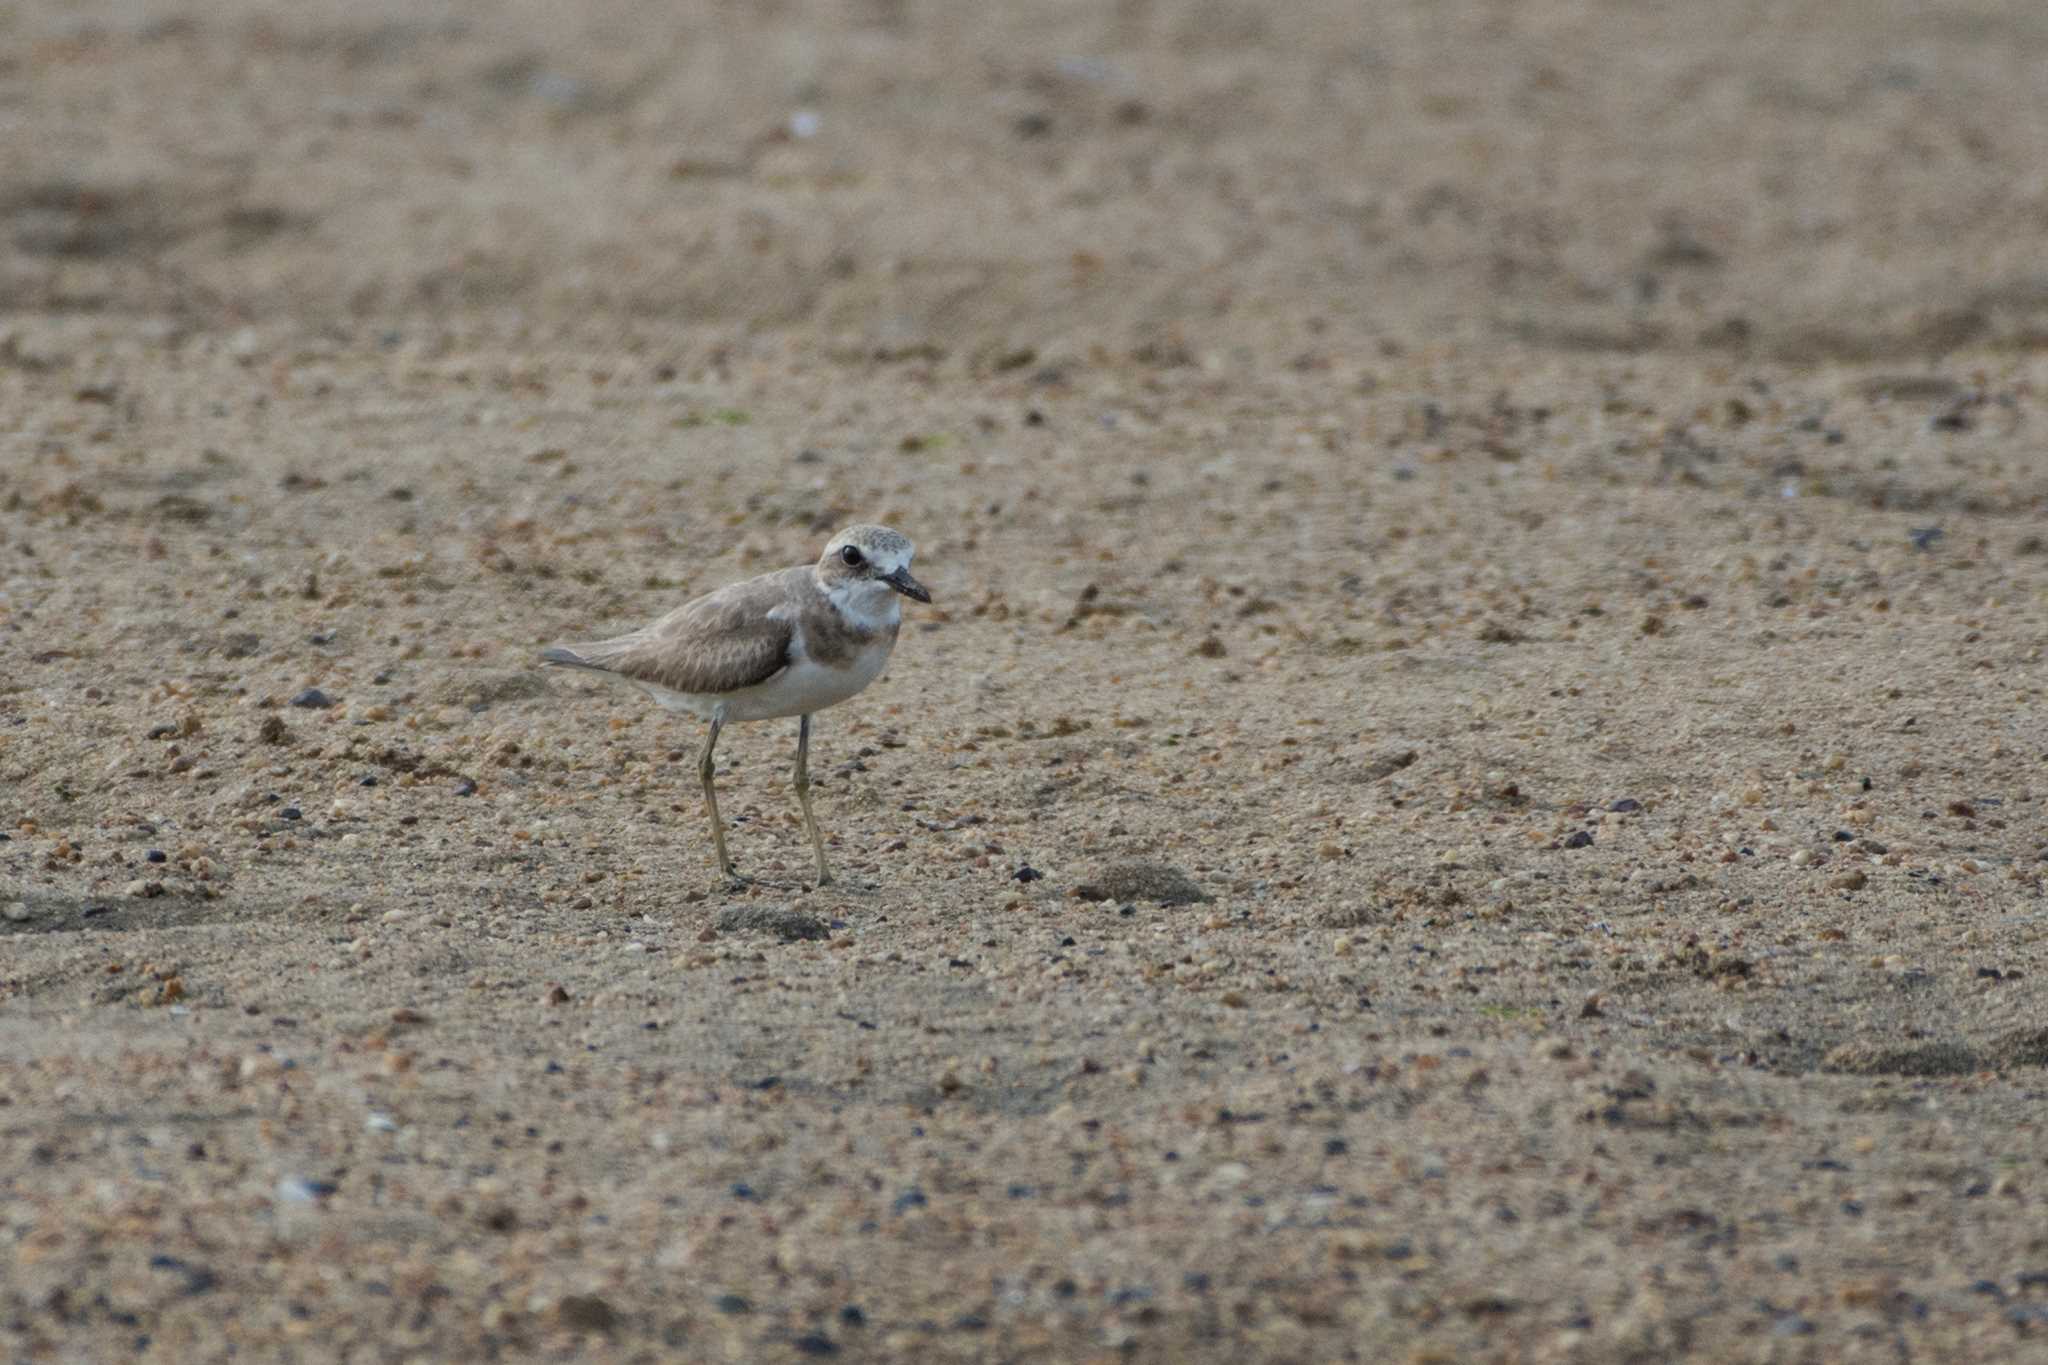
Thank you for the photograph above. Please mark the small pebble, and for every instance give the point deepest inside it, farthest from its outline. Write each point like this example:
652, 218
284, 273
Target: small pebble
16, 912
198, 1279
295, 1190
1626, 806
587, 1313
291, 813
155, 855
313, 699
1028, 873
1578, 838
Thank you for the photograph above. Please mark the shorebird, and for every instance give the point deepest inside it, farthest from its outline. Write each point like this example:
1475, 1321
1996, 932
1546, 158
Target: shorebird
785, 644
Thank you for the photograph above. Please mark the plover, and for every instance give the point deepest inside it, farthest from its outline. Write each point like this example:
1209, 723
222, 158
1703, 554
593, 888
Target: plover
784, 644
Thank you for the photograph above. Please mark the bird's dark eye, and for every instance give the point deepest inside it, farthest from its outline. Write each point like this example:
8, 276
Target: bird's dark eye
852, 557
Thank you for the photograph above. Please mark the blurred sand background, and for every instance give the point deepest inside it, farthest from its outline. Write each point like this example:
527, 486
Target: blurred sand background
1536, 513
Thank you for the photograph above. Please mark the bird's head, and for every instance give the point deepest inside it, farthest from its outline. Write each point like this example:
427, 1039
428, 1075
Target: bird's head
862, 555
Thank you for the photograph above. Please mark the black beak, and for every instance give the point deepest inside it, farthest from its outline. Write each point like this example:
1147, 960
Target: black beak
908, 586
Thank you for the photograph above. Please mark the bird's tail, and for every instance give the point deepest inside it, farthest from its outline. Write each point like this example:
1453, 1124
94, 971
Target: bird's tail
568, 658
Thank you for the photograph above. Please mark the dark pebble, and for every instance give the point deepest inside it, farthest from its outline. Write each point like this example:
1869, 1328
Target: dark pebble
1021, 1191
198, 1279
1335, 1147
1398, 1251
290, 813
852, 1316
1064, 1289
465, 788
368, 781
970, 1322
381, 679
1988, 1288
1990, 974
2031, 1279
1843, 836
908, 1200
313, 699
588, 1313
323, 637
1027, 873
155, 855
1578, 838
766, 1083
732, 1303
1195, 1282
745, 1192
815, 1344
1626, 806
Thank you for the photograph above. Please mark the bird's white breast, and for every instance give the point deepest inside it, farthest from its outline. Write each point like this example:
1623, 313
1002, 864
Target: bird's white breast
807, 686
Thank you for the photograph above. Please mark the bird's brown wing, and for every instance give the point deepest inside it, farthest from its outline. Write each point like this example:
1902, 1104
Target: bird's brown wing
721, 642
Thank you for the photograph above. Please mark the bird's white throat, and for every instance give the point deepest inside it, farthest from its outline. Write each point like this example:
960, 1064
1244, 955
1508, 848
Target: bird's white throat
866, 604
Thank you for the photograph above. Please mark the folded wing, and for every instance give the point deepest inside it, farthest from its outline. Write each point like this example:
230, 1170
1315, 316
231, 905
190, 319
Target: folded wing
721, 642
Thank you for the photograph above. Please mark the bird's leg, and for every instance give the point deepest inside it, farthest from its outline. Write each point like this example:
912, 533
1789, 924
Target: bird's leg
705, 770
803, 795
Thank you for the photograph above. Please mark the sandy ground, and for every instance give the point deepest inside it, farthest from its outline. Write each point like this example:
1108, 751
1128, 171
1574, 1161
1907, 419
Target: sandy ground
1536, 512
